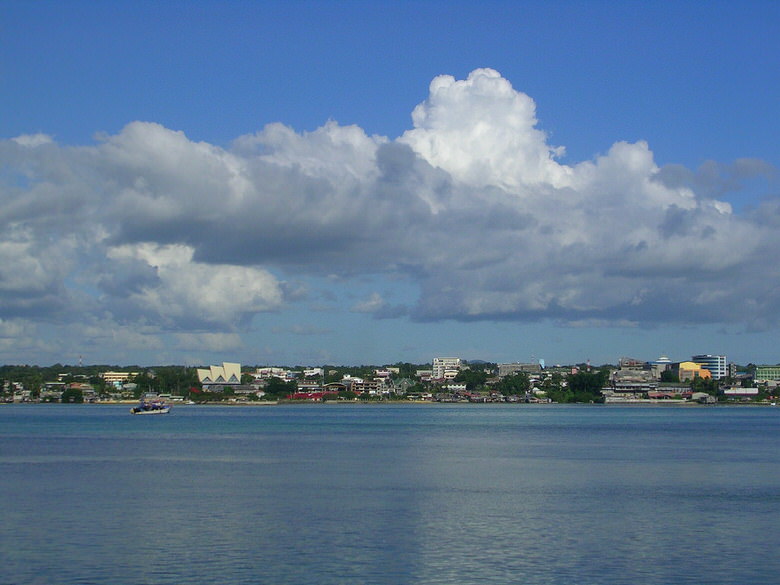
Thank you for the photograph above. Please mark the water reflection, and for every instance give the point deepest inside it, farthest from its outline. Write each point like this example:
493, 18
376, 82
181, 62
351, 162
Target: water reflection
390, 494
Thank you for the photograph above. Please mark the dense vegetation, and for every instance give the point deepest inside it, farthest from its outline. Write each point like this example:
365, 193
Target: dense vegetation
175, 380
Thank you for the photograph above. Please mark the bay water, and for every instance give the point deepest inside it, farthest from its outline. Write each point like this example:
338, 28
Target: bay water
390, 494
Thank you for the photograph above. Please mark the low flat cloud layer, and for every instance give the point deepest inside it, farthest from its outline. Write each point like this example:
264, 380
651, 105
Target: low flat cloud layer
472, 205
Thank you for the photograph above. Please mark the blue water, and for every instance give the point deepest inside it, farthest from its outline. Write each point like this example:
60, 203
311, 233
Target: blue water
389, 495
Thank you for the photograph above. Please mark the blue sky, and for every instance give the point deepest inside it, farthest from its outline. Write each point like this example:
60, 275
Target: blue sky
192, 182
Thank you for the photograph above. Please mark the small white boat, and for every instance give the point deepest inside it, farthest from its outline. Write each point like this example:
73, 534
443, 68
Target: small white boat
150, 408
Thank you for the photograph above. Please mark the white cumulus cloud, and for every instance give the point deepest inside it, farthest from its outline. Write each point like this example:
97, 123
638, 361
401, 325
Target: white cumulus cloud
188, 290
471, 206
483, 132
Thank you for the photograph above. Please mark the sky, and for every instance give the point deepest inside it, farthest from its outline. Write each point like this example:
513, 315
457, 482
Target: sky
312, 182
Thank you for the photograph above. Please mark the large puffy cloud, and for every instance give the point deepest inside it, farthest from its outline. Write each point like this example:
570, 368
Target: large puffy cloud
471, 204
483, 132
187, 292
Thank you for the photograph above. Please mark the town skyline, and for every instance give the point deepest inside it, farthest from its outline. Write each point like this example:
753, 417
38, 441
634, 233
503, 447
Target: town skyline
349, 183
540, 362
704, 379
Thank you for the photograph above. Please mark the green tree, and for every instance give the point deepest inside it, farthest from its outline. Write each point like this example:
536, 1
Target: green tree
332, 374
407, 370
553, 386
586, 386
474, 379
278, 388
416, 388
669, 376
72, 395
100, 386
708, 385
518, 383
144, 383
30, 377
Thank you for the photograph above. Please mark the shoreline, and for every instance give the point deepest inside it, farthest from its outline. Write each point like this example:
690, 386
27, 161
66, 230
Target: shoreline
633, 403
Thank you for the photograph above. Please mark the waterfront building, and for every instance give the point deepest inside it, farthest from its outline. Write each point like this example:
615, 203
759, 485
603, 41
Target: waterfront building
767, 374
739, 392
687, 371
703, 398
633, 378
216, 377
360, 385
309, 386
446, 368
401, 386
716, 364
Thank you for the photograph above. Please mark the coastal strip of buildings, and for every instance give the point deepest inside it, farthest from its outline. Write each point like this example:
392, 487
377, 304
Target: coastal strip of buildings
702, 378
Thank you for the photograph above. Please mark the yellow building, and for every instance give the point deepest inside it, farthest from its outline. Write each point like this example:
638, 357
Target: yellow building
117, 377
687, 371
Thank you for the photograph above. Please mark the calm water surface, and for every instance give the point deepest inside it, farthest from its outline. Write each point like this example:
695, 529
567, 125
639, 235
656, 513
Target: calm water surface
390, 494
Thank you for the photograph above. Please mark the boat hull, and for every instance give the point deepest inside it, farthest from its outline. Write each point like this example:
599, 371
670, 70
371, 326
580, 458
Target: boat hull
165, 410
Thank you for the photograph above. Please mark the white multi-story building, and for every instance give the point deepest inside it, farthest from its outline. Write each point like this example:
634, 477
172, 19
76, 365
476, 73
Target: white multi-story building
716, 364
446, 368
271, 372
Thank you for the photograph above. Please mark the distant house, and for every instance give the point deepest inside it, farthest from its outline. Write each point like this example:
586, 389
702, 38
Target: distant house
739, 392
703, 398
313, 396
